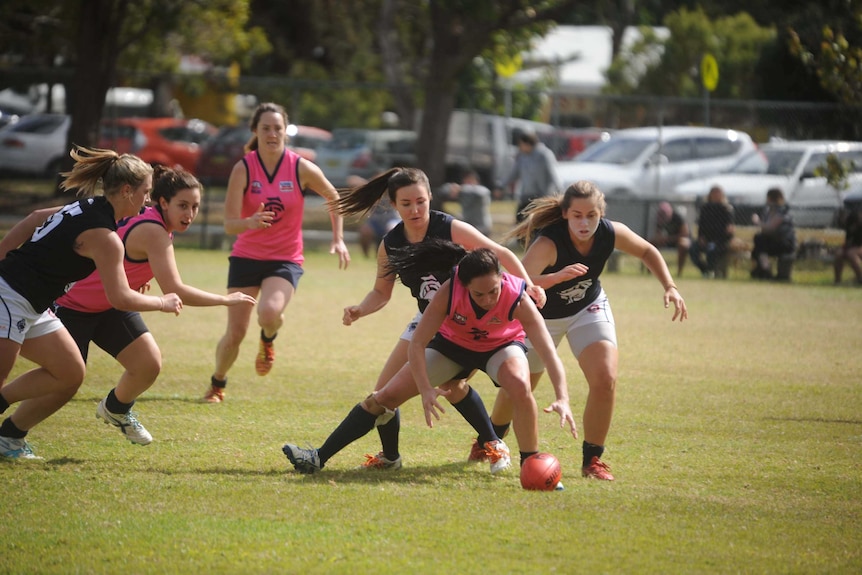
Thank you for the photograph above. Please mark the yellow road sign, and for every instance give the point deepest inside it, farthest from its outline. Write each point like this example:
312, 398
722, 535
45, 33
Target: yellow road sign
709, 72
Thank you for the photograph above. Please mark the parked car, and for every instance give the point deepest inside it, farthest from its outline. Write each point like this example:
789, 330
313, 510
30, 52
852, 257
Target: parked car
567, 143
219, 154
365, 153
651, 162
158, 141
34, 145
791, 166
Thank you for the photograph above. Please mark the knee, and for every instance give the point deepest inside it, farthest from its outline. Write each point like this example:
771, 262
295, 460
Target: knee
603, 386
373, 406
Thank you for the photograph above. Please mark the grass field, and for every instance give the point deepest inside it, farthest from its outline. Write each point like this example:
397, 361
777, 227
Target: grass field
737, 447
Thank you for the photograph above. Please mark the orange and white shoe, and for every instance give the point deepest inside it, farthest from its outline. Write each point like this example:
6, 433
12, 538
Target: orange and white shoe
498, 455
265, 357
597, 469
477, 452
213, 395
379, 461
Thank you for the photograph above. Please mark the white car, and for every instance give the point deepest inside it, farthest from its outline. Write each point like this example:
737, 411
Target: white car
651, 162
34, 145
792, 167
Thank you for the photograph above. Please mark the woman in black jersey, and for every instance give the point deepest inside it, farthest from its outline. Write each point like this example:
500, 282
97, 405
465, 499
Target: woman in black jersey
75, 241
573, 241
409, 192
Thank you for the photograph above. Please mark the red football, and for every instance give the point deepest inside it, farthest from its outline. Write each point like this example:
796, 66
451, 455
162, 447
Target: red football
541, 472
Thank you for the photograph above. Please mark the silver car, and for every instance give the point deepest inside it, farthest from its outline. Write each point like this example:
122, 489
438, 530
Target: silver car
791, 167
651, 162
365, 153
34, 145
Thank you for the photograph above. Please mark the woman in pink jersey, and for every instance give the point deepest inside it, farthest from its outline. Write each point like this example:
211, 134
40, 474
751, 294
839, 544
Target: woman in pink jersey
264, 208
477, 320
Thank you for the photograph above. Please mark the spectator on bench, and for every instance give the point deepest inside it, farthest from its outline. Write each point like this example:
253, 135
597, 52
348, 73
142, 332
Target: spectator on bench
850, 219
714, 231
671, 231
777, 236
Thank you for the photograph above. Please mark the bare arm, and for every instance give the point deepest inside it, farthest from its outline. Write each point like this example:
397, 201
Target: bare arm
534, 327
379, 295
105, 248
150, 241
311, 177
468, 236
632, 244
23, 230
541, 254
432, 319
234, 223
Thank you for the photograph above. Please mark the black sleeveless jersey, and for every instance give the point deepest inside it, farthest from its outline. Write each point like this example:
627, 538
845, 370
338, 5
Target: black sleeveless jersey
568, 298
45, 266
422, 286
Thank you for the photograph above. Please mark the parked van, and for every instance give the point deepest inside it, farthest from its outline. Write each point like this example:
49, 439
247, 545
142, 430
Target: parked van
485, 142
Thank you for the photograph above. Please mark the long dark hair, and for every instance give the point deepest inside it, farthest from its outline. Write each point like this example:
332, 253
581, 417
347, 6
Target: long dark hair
361, 199
438, 256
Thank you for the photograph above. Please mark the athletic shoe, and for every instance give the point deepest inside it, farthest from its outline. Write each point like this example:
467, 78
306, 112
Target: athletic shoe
127, 422
379, 461
265, 357
597, 469
477, 452
12, 448
213, 395
304, 460
498, 455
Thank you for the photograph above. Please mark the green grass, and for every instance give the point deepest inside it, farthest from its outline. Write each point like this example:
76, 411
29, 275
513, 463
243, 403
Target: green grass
736, 445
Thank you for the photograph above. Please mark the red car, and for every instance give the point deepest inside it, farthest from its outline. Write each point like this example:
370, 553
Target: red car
219, 154
158, 141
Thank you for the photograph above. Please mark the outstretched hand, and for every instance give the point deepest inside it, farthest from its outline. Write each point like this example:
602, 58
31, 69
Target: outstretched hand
562, 407
431, 405
671, 294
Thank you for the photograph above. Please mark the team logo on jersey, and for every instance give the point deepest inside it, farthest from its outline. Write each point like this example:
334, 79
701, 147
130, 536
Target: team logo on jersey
595, 308
576, 292
21, 325
494, 320
478, 333
459, 319
274, 204
285, 187
256, 187
428, 287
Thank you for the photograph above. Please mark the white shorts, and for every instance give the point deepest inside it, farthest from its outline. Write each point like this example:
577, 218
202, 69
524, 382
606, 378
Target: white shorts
18, 319
442, 369
593, 323
407, 335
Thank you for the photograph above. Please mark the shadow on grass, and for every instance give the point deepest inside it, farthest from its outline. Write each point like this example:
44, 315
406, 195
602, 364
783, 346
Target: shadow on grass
815, 420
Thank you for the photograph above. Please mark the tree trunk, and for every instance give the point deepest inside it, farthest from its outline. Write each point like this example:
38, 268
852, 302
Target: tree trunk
99, 27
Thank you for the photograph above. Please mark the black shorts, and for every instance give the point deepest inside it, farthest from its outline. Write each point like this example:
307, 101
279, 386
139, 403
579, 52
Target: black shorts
111, 330
468, 359
244, 272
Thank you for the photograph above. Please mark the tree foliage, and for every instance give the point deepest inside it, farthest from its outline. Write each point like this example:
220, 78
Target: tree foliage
671, 66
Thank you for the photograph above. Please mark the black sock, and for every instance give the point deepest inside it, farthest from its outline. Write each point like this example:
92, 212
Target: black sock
114, 405
268, 339
473, 411
4, 405
592, 450
222, 383
526, 454
501, 430
9, 429
357, 424
389, 434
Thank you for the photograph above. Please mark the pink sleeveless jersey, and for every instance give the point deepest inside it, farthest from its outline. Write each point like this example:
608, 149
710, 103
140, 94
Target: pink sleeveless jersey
495, 328
88, 295
281, 193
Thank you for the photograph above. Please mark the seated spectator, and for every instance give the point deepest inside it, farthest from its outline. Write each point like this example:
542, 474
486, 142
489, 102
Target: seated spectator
714, 232
475, 201
671, 231
777, 235
380, 220
850, 251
